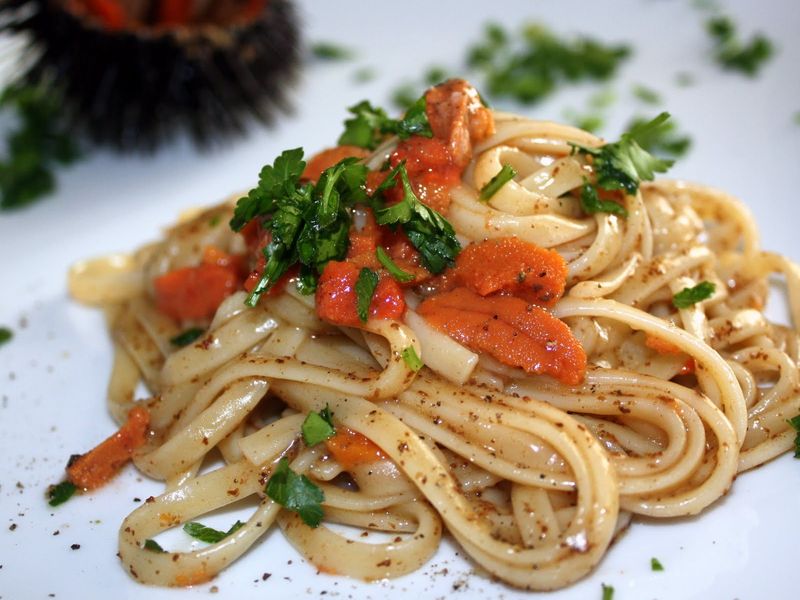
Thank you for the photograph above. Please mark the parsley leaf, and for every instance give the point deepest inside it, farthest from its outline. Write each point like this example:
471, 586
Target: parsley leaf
591, 202
692, 295
187, 337
5, 335
60, 493
795, 422
608, 592
370, 124
390, 266
623, 165
318, 427
412, 359
330, 51
664, 139
153, 546
732, 53
208, 534
296, 493
365, 289
506, 174
655, 565
429, 232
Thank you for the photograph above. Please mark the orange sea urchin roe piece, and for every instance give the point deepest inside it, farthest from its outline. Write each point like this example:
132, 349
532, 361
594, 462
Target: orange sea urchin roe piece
328, 158
515, 332
513, 266
351, 448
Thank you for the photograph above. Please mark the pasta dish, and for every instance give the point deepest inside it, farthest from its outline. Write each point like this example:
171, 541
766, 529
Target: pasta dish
458, 321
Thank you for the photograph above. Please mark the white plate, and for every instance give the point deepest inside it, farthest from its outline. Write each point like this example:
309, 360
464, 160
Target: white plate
53, 374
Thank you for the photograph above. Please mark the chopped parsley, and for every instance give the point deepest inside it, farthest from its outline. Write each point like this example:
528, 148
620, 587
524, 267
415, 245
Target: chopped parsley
296, 493
506, 174
646, 94
795, 422
608, 592
35, 148
796, 118
412, 359
5, 335
331, 51
591, 122
428, 231
623, 165
187, 337
318, 427
591, 202
60, 493
405, 95
309, 223
208, 534
664, 139
530, 66
153, 546
655, 565
435, 75
365, 289
692, 295
388, 264
370, 124
364, 75
732, 53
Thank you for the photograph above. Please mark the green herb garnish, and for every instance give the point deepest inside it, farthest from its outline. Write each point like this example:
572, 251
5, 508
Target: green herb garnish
364, 75
795, 423
655, 565
5, 335
646, 94
371, 124
435, 75
405, 95
692, 295
331, 51
392, 267
506, 174
208, 534
412, 359
365, 288
623, 165
529, 67
591, 202
35, 148
664, 139
153, 546
296, 493
608, 592
187, 337
309, 223
60, 493
318, 427
732, 53
428, 231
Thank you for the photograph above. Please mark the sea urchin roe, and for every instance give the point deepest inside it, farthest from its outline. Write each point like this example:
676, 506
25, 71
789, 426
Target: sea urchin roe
351, 448
337, 301
512, 266
329, 158
513, 331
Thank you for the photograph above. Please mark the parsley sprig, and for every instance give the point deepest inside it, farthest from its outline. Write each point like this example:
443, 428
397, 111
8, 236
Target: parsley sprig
692, 295
732, 53
296, 493
370, 124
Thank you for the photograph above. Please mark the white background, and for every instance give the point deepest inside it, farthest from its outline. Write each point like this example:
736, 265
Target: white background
54, 372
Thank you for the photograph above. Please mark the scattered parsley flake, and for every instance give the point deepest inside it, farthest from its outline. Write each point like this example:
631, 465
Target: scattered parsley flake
208, 534
60, 493
435, 75
187, 337
796, 118
692, 295
296, 493
591, 202
646, 94
603, 99
732, 53
623, 165
5, 335
655, 565
506, 174
364, 75
365, 289
608, 592
412, 359
331, 51
153, 546
388, 264
405, 95
684, 79
318, 427
795, 423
